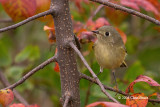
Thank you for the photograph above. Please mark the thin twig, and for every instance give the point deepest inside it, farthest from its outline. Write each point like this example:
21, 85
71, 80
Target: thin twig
6, 20
93, 14
48, 12
130, 11
30, 73
91, 71
16, 94
88, 93
112, 89
66, 101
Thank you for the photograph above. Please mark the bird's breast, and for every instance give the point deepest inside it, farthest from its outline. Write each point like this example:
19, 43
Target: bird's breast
109, 56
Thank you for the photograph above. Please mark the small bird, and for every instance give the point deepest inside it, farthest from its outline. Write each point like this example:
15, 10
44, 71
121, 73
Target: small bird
109, 49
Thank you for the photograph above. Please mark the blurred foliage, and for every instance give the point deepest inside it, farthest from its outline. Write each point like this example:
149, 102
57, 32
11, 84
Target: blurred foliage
26, 47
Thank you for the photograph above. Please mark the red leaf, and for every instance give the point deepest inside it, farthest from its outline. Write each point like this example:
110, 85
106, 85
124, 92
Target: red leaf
137, 100
101, 22
56, 68
106, 104
98, 23
86, 37
44, 5
145, 4
19, 9
22, 105
141, 78
17, 105
6, 97
115, 16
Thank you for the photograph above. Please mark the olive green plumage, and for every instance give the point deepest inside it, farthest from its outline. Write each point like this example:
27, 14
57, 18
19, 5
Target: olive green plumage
109, 48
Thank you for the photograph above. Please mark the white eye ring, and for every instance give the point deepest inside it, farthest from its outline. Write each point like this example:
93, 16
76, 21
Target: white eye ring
107, 33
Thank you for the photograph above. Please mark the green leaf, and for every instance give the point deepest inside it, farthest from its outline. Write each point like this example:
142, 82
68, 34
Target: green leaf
134, 71
5, 58
150, 58
30, 53
15, 72
132, 43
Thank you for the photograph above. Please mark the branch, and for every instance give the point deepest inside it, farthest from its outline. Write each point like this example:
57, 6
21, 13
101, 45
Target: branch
91, 71
6, 20
16, 94
50, 11
112, 89
30, 73
67, 98
131, 11
93, 14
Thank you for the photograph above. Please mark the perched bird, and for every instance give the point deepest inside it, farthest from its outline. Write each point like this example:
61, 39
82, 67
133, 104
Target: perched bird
109, 49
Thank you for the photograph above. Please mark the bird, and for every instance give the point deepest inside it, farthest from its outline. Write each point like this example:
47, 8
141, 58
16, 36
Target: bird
109, 49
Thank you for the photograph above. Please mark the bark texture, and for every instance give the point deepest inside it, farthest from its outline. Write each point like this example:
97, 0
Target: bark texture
66, 56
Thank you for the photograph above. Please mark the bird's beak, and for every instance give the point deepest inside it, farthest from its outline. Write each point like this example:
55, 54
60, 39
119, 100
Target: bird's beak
95, 31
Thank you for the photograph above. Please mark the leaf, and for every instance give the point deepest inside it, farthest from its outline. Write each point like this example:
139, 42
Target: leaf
50, 33
106, 104
56, 68
78, 4
141, 78
123, 35
137, 100
17, 105
98, 23
134, 71
19, 9
44, 5
30, 53
145, 4
6, 97
22, 105
5, 58
87, 37
154, 94
115, 16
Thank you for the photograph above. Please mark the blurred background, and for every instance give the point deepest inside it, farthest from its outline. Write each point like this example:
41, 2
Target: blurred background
27, 46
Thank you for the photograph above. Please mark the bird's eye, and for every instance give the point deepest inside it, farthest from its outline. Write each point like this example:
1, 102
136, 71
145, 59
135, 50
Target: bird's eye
107, 34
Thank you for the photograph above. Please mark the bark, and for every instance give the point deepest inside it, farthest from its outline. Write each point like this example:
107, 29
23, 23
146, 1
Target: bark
69, 74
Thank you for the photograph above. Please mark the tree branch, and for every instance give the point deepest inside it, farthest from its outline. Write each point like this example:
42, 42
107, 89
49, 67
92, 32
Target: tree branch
93, 74
50, 11
6, 20
93, 14
30, 73
16, 94
112, 89
67, 98
131, 11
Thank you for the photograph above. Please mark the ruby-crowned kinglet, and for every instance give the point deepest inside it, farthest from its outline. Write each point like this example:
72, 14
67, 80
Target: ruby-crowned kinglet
109, 49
